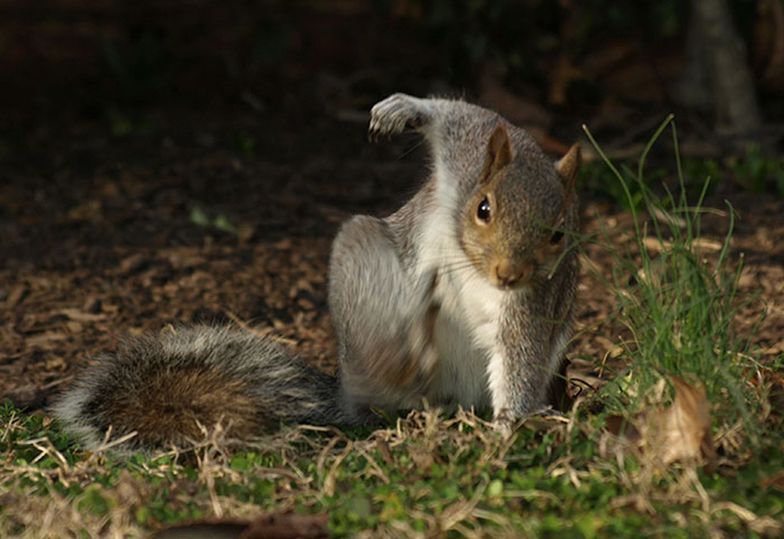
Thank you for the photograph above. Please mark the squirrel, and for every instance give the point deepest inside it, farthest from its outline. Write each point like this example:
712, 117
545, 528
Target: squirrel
462, 297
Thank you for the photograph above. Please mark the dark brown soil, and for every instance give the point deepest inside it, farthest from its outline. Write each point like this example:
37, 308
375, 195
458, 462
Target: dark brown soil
120, 219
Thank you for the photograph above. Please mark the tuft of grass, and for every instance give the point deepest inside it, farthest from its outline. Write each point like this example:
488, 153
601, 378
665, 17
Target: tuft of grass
677, 295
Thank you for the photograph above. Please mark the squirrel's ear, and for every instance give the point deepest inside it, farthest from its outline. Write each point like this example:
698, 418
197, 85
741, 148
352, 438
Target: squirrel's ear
568, 165
499, 153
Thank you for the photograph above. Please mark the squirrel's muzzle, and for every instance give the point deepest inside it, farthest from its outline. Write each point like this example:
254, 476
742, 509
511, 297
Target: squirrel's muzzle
505, 274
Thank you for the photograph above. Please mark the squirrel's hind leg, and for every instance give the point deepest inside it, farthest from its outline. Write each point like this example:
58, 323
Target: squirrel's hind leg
383, 319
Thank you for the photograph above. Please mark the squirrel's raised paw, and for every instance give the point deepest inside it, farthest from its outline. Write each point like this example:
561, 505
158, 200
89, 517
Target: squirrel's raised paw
396, 114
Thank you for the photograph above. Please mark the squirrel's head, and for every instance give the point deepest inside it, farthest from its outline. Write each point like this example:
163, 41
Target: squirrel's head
516, 224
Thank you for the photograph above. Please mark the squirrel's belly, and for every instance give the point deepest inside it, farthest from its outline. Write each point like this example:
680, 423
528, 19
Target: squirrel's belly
461, 378
465, 334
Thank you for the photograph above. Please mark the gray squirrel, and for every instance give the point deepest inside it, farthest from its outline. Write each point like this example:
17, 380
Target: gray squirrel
462, 297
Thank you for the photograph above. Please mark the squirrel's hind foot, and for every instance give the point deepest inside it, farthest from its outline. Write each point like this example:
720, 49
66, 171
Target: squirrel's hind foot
396, 114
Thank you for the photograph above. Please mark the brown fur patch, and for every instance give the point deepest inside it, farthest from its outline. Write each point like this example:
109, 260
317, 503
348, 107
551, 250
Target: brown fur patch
399, 372
175, 404
403, 376
403, 372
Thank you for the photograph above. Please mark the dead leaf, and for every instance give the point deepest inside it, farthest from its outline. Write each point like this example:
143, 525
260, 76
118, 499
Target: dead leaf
775, 481
544, 421
698, 245
133, 264
656, 245
276, 526
45, 338
620, 426
682, 431
78, 315
18, 293
92, 305
54, 364
701, 245
386, 452
422, 457
74, 327
668, 219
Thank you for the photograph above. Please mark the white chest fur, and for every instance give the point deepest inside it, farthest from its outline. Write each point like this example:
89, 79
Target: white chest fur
467, 323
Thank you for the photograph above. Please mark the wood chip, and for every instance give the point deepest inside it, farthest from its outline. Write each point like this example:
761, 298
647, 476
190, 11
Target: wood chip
81, 316
18, 293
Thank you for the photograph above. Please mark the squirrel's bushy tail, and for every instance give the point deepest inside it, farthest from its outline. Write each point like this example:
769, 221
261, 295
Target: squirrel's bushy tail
164, 387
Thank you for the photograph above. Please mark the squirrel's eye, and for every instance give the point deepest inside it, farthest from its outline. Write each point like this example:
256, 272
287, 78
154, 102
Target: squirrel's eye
483, 210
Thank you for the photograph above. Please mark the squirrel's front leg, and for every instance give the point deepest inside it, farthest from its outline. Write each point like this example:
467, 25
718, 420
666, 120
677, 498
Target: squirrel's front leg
519, 372
398, 113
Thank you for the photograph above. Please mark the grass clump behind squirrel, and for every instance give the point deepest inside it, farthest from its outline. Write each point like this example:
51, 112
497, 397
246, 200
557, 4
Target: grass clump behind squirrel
462, 297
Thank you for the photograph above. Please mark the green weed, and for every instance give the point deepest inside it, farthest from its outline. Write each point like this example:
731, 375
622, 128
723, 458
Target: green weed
677, 294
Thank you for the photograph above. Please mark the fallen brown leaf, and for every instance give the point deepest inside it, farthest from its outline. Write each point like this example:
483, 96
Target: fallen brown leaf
619, 426
277, 526
422, 457
386, 452
775, 481
81, 316
682, 431
133, 264
45, 339
698, 245
18, 293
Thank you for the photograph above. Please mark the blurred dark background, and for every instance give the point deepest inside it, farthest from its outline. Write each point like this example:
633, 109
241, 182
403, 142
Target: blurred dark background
596, 60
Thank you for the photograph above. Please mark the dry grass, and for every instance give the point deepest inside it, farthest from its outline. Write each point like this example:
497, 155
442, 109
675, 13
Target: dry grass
425, 476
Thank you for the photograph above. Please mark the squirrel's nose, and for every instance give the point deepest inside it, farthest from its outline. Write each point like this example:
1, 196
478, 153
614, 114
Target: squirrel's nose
507, 275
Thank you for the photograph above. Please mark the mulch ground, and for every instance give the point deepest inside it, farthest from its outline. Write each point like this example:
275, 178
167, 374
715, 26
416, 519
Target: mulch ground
227, 216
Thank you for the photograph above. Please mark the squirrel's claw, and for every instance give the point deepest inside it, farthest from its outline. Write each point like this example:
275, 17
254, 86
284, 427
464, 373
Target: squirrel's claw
395, 114
505, 424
